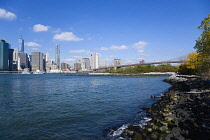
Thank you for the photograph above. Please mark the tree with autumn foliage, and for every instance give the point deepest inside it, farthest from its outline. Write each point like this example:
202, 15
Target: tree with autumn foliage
192, 60
203, 47
190, 67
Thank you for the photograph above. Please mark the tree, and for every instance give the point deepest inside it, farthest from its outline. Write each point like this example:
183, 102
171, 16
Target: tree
192, 59
203, 47
190, 67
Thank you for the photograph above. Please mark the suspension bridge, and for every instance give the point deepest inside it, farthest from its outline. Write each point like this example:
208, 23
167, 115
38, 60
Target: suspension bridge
182, 59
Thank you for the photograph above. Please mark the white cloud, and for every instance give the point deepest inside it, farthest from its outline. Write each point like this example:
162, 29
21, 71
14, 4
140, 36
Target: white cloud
104, 49
40, 28
7, 15
140, 47
67, 36
32, 44
123, 47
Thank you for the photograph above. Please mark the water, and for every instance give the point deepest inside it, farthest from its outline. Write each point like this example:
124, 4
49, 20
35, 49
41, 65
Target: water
54, 106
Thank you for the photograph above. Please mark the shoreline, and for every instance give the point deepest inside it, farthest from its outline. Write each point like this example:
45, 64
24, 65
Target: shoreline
183, 112
124, 75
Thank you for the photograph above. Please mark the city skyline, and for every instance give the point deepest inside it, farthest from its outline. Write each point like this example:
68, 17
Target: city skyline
119, 29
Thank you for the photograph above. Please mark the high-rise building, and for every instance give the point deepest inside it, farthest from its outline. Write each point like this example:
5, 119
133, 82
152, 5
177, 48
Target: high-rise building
48, 62
21, 45
23, 60
15, 61
65, 66
117, 62
37, 62
94, 60
77, 65
47, 57
4, 55
57, 55
10, 61
85, 64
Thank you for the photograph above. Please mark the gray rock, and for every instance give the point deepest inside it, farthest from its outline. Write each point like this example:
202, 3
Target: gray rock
163, 128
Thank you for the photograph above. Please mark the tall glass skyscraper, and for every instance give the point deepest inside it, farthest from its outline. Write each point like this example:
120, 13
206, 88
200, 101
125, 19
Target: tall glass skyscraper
21, 45
57, 55
4, 55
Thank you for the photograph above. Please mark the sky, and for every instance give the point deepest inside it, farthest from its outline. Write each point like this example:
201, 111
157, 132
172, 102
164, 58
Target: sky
130, 30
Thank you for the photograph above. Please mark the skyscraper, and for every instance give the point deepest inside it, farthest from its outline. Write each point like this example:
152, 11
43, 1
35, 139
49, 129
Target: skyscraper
47, 57
21, 45
37, 61
15, 61
57, 55
94, 60
11, 51
77, 65
4, 55
23, 60
85, 63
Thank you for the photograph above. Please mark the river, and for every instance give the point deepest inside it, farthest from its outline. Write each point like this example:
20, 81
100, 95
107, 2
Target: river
55, 106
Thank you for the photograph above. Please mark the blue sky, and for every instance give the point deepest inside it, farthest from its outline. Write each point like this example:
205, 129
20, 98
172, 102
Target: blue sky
131, 30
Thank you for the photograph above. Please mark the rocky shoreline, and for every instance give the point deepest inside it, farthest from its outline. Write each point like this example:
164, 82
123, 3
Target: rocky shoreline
182, 113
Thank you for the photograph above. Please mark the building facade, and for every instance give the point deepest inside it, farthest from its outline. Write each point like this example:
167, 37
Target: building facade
85, 64
21, 45
23, 60
47, 57
64, 66
37, 62
77, 65
15, 61
94, 60
57, 55
4, 55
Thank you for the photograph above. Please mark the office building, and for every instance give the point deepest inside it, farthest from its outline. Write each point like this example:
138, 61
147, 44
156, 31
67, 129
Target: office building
21, 45
10, 60
48, 65
85, 64
23, 60
64, 66
94, 60
15, 61
53, 66
57, 55
37, 62
47, 57
77, 65
117, 62
4, 55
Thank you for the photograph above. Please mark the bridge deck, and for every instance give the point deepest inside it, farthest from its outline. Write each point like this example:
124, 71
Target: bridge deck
150, 63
